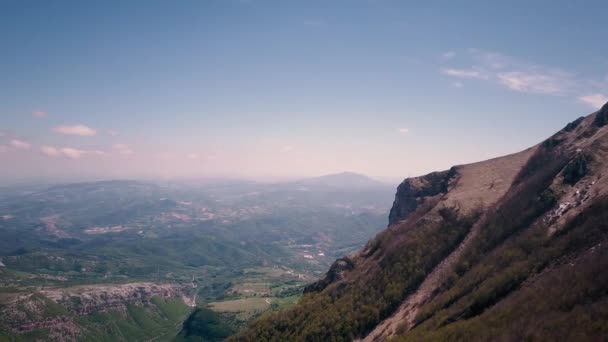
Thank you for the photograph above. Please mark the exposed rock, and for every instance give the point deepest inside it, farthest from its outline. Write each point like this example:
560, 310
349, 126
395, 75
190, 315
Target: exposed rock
574, 124
576, 169
601, 118
412, 192
102, 298
61, 328
553, 141
336, 273
54, 309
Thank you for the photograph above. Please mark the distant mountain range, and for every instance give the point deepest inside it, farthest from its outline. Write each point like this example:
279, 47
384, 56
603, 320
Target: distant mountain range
511, 249
344, 180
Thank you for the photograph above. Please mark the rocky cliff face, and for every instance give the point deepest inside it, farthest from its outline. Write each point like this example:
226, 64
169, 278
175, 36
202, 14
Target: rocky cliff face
469, 251
412, 192
601, 118
336, 272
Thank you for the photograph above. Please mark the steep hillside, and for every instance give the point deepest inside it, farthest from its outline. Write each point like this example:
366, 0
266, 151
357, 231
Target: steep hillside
507, 248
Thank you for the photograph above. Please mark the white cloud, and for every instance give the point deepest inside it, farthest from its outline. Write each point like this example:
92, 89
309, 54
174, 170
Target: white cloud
72, 152
80, 130
123, 149
39, 114
69, 152
492, 60
50, 151
538, 83
594, 100
403, 130
463, 73
20, 144
458, 84
515, 75
448, 55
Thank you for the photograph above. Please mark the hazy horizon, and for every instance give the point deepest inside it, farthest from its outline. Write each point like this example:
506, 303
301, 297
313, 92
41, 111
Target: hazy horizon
274, 90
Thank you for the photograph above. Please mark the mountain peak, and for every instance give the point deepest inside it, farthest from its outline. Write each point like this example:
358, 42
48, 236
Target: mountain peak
345, 179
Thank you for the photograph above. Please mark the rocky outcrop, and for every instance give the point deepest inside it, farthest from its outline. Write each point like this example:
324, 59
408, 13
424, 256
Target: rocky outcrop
336, 273
103, 298
56, 310
412, 192
601, 118
574, 124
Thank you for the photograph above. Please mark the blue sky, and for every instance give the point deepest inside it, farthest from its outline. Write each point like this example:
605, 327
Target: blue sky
261, 89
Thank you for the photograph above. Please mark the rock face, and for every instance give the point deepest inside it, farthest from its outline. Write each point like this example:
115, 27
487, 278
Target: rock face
336, 273
412, 192
601, 118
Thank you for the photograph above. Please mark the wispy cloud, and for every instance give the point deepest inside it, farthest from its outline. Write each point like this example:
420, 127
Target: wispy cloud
69, 152
596, 101
112, 132
520, 76
458, 84
404, 130
448, 55
72, 152
463, 73
123, 149
286, 148
533, 82
19, 144
80, 130
12, 142
39, 114
193, 156
493, 60
50, 151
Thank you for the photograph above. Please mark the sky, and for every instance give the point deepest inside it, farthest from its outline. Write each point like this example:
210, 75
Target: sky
285, 89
